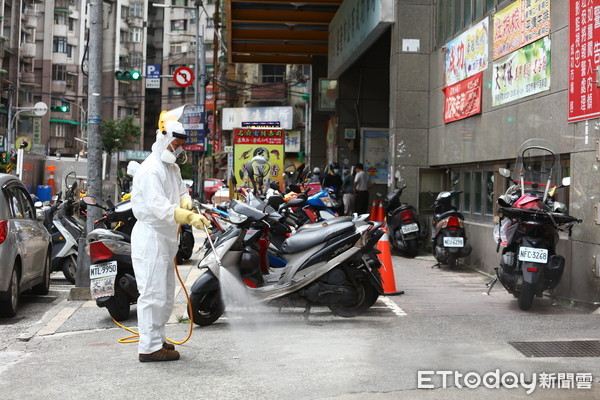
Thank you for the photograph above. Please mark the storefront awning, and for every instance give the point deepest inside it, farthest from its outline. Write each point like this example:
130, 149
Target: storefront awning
278, 31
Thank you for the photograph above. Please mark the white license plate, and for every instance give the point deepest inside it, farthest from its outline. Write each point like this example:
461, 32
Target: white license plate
102, 279
454, 242
531, 254
103, 269
409, 228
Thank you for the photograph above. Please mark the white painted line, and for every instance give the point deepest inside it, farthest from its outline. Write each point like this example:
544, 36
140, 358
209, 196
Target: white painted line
393, 306
56, 322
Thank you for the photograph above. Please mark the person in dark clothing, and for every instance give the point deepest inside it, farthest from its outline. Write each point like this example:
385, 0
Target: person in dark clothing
361, 190
333, 181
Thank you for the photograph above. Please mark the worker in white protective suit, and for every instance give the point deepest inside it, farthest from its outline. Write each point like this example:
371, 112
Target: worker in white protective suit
160, 201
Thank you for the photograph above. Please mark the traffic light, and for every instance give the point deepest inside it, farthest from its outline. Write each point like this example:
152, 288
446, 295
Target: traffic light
128, 75
59, 108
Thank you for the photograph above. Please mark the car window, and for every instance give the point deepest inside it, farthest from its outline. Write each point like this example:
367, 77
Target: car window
26, 202
14, 204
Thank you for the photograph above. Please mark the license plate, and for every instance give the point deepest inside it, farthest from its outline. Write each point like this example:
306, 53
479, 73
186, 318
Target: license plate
409, 228
102, 279
454, 242
531, 254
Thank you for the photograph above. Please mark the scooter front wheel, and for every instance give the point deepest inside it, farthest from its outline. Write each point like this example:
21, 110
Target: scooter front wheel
69, 268
207, 307
367, 296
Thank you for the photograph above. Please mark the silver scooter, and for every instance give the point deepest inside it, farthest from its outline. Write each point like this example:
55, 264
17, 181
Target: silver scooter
335, 265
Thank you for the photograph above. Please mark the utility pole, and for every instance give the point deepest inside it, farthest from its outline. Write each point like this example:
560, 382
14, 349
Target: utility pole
94, 159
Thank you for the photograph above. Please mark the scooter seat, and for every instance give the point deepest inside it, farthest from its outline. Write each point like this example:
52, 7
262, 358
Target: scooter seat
325, 223
305, 239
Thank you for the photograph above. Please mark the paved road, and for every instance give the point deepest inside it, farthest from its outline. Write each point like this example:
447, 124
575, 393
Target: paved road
443, 322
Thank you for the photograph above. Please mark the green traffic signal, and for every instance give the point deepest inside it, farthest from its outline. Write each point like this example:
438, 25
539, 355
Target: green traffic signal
59, 108
128, 75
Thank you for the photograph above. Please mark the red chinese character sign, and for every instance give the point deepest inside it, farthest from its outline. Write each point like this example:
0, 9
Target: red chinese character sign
463, 99
584, 58
260, 152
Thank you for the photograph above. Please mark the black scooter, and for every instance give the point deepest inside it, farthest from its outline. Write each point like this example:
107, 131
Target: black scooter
448, 235
401, 219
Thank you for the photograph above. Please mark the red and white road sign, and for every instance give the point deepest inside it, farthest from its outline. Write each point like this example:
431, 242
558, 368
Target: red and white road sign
183, 76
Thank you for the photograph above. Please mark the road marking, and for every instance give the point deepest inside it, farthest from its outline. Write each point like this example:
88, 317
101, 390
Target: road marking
393, 306
57, 321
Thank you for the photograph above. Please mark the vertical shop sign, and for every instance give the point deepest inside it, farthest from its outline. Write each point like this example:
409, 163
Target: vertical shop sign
467, 55
463, 99
259, 149
522, 73
584, 59
521, 23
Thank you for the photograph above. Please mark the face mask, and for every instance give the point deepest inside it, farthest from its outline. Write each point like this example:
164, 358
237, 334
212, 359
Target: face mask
170, 157
336, 171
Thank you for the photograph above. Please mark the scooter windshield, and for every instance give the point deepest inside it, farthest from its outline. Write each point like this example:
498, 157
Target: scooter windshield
535, 163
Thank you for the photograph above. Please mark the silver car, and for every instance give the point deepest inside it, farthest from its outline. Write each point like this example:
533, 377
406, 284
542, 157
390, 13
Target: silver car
25, 246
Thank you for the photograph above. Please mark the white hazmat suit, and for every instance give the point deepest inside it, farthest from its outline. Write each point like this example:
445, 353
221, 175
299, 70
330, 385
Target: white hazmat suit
158, 192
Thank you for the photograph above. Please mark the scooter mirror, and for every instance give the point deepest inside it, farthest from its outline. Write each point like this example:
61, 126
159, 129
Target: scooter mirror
505, 172
397, 174
566, 181
89, 200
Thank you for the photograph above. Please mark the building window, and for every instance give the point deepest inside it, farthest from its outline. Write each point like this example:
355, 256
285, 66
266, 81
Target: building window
273, 73
179, 24
176, 92
60, 18
122, 112
136, 10
173, 67
59, 72
71, 24
178, 48
124, 11
135, 35
58, 130
455, 15
59, 44
136, 59
69, 51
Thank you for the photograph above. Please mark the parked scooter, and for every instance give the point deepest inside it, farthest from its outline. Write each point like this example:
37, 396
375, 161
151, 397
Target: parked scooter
448, 236
401, 219
529, 223
65, 231
323, 266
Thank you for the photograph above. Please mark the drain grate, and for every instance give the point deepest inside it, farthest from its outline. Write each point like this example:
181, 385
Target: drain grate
575, 348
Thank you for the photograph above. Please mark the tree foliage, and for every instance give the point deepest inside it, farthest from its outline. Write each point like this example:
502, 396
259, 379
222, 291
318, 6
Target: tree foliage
115, 133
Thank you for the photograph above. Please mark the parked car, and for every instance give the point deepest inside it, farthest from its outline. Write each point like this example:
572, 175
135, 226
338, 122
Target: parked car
25, 246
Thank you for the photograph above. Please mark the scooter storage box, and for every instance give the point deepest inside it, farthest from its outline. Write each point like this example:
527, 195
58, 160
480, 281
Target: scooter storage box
44, 193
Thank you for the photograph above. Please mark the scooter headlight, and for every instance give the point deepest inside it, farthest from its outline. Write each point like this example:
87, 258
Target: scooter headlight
327, 201
235, 217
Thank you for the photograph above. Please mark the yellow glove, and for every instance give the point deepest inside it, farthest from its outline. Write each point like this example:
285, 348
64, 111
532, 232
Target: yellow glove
186, 203
126, 196
188, 217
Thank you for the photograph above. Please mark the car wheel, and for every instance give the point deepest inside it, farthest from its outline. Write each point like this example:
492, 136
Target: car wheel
8, 307
44, 287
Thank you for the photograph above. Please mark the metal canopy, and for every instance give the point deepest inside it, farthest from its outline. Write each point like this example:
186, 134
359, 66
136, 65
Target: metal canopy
278, 31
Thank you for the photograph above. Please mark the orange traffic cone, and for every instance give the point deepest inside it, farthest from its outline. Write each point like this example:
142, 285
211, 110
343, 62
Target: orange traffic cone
387, 268
381, 212
51, 168
373, 216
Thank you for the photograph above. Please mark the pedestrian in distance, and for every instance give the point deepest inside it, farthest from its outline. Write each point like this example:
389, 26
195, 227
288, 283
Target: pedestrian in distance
348, 190
333, 179
160, 201
361, 190
316, 176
